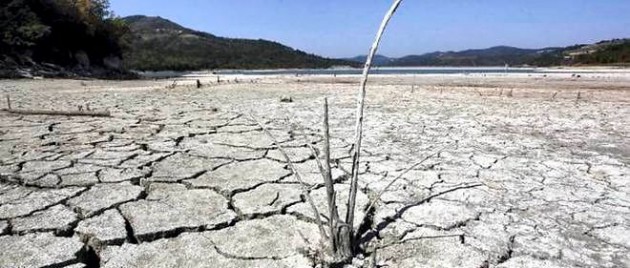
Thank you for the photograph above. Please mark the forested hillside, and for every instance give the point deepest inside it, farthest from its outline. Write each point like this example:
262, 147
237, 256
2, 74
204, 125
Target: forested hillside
160, 44
615, 52
59, 38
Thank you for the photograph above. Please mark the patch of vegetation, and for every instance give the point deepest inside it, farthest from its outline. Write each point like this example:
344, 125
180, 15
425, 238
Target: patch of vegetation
613, 54
63, 32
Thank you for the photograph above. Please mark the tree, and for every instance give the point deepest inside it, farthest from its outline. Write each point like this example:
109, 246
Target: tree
20, 27
62, 32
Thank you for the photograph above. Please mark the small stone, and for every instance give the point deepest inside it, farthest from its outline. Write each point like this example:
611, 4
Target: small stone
286, 99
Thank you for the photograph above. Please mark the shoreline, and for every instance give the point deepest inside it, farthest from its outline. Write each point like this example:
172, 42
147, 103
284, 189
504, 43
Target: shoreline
434, 70
351, 72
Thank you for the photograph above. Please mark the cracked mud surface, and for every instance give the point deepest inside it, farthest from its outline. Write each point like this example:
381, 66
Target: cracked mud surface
183, 178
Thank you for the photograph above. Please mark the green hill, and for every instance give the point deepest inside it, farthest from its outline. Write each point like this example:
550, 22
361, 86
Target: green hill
159, 44
612, 52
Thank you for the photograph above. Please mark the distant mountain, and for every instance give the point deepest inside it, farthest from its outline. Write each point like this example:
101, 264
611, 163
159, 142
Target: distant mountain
494, 56
159, 44
616, 51
379, 60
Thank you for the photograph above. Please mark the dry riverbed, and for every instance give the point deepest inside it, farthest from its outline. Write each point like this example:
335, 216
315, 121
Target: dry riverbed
526, 171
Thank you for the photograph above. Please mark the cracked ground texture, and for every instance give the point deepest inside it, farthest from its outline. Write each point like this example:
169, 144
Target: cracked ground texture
522, 173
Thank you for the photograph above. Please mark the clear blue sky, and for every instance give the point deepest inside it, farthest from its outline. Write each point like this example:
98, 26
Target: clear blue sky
344, 28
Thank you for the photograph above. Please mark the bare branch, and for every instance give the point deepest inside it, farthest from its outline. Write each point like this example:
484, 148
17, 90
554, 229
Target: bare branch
60, 113
328, 181
359, 116
296, 174
380, 194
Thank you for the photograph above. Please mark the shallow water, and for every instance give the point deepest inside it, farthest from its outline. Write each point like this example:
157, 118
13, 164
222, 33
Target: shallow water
388, 70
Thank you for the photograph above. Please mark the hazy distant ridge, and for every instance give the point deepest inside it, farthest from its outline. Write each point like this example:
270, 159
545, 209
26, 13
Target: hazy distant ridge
615, 51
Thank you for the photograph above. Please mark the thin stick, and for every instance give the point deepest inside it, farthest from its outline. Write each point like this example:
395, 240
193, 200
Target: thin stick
330, 187
331, 223
296, 174
9, 102
360, 108
380, 194
61, 113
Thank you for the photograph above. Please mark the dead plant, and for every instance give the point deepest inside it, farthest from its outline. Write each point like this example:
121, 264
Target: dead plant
339, 236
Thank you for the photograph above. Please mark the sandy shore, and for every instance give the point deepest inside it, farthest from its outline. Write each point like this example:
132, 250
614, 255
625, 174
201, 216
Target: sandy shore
530, 170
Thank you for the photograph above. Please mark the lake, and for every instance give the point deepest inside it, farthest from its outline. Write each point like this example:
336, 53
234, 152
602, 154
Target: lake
377, 70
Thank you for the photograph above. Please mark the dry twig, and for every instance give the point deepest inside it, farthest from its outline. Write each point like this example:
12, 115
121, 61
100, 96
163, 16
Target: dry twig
60, 113
296, 174
380, 194
359, 117
330, 187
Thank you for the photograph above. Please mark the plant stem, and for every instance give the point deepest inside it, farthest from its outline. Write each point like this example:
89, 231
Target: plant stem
359, 116
296, 174
380, 194
330, 187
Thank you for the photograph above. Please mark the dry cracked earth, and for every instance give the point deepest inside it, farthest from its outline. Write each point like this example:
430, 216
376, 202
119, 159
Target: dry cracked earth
520, 172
